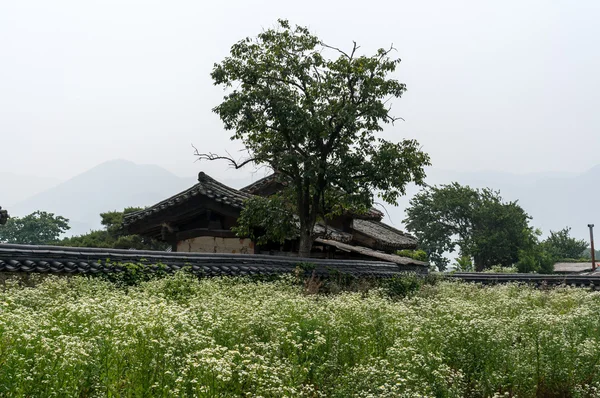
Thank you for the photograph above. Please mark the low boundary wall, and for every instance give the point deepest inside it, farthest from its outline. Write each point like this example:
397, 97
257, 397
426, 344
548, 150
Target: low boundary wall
80, 260
592, 281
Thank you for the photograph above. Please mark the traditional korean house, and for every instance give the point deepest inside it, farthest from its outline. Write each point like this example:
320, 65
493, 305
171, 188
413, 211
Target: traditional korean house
200, 218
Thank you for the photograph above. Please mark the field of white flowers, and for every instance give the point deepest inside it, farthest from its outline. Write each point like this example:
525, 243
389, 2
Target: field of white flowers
178, 336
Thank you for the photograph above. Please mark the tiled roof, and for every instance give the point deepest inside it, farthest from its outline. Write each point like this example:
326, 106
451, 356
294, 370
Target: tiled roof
371, 214
365, 251
332, 233
573, 267
69, 260
206, 186
385, 236
257, 185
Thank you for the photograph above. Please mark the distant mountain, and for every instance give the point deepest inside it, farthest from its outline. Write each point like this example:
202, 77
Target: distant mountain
15, 187
113, 185
553, 199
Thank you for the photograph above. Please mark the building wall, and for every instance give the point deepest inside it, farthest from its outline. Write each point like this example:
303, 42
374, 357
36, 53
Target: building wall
213, 244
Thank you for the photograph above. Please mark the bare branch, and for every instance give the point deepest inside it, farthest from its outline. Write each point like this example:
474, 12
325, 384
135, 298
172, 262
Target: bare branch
384, 209
385, 53
336, 49
317, 74
354, 48
237, 164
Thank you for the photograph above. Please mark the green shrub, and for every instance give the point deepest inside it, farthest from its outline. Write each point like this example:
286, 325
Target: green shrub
400, 286
132, 274
418, 255
535, 260
464, 264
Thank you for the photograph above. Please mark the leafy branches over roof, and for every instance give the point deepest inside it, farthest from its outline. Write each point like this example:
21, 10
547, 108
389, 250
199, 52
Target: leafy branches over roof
310, 111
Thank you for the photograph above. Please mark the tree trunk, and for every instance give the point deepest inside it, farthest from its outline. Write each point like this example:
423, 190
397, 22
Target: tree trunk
479, 265
306, 242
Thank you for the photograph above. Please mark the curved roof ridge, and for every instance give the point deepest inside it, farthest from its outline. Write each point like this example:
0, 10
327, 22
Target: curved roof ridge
206, 185
253, 187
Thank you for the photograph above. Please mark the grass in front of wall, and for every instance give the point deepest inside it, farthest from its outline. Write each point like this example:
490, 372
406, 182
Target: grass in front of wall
233, 337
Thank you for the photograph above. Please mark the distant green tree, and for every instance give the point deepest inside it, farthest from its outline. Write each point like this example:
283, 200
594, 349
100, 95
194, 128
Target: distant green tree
113, 235
560, 245
587, 254
464, 264
535, 257
476, 221
37, 228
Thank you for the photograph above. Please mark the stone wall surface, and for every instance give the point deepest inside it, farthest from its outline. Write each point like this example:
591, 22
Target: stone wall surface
213, 244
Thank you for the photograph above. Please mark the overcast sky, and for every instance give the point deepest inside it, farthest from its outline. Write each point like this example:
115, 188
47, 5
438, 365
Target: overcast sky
492, 85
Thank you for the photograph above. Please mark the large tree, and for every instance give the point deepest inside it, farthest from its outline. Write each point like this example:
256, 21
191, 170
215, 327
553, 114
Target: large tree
37, 228
476, 221
310, 111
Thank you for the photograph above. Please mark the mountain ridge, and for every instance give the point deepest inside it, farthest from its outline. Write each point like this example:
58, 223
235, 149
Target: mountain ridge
14, 186
553, 199
112, 185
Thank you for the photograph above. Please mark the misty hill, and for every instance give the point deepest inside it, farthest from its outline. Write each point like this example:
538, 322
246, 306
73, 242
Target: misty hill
14, 187
113, 185
553, 199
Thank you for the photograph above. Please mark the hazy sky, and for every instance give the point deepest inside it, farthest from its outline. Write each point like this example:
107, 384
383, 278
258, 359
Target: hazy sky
492, 85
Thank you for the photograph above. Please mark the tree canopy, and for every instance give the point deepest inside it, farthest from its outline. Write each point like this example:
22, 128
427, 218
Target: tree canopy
113, 235
476, 221
310, 111
37, 228
561, 245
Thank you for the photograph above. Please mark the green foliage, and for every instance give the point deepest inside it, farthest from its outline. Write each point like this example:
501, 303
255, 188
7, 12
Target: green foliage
540, 257
306, 267
133, 274
535, 260
233, 337
587, 254
419, 255
476, 221
113, 235
401, 286
464, 264
37, 228
266, 220
178, 287
313, 119
560, 245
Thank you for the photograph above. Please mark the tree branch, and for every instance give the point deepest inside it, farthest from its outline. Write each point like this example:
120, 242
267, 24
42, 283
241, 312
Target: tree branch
337, 49
237, 164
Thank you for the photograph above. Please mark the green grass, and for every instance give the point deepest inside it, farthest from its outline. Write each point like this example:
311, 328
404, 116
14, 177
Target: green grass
233, 337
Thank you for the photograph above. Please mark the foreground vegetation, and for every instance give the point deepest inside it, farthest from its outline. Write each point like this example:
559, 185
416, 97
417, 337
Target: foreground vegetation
178, 336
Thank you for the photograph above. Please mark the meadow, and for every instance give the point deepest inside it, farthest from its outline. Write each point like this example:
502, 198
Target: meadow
183, 337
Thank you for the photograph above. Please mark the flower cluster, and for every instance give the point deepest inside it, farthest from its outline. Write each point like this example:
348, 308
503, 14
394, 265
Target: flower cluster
232, 337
